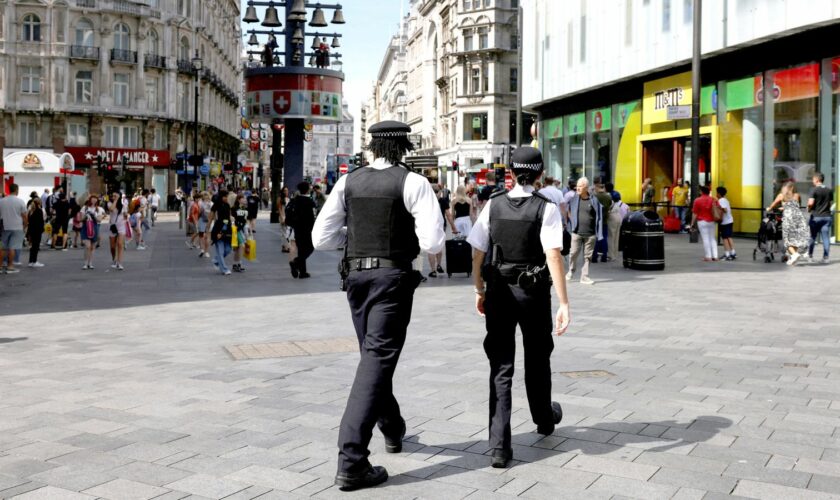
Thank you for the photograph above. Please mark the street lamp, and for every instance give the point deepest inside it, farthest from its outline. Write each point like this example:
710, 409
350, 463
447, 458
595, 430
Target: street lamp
196, 63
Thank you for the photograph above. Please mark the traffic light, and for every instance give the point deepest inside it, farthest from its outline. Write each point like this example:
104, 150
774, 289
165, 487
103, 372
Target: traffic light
124, 162
454, 165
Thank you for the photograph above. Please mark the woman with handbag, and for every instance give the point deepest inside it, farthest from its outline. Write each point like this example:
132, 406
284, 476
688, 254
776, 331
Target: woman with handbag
119, 229
795, 231
92, 214
705, 215
35, 229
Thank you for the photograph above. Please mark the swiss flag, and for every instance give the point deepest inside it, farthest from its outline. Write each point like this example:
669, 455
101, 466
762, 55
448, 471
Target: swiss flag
282, 100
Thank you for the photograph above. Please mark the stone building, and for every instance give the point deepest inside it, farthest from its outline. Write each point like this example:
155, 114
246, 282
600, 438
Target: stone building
323, 145
115, 79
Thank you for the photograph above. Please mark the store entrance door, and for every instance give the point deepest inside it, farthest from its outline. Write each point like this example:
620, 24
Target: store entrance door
665, 161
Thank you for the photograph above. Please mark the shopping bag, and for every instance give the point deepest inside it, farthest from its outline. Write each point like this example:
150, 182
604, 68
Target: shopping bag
48, 228
251, 250
234, 239
693, 235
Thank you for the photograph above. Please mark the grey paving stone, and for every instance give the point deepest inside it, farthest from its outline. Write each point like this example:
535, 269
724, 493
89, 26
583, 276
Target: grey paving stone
632, 488
755, 489
70, 478
154, 474
207, 486
827, 484
700, 480
768, 475
283, 480
123, 489
51, 493
620, 468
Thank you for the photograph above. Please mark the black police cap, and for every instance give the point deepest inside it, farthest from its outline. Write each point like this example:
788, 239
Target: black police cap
389, 129
526, 158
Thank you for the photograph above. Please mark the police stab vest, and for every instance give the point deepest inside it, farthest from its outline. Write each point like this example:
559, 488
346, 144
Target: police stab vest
515, 225
378, 224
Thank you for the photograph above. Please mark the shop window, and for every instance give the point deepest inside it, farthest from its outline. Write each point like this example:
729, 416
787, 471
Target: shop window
121, 89
575, 132
84, 33
31, 28
475, 126
599, 154
77, 134
83, 87
27, 133
30, 80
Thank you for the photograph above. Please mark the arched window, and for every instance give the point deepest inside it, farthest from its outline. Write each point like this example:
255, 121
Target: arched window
31, 28
184, 52
152, 43
122, 40
84, 33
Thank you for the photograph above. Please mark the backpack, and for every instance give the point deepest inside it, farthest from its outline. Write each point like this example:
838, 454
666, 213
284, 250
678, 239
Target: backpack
291, 213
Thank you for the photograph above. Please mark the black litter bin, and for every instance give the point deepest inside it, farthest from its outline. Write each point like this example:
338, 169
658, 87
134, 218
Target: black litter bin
643, 241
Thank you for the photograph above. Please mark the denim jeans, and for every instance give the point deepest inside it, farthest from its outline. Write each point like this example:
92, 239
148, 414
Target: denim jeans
681, 211
822, 226
223, 249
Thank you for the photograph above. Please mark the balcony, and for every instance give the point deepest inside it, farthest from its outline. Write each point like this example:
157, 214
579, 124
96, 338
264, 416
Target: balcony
123, 56
125, 7
185, 66
154, 61
84, 52
87, 4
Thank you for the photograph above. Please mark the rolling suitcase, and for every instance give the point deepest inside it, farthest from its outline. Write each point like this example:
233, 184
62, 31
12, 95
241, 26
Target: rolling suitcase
672, 224
458, 257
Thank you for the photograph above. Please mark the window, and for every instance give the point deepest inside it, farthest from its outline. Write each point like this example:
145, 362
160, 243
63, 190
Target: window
120, 136
485, 73
514, 4
184, 7
468, 4
120, 89
77, 134
84, 87
184, 100
152, 43
30, 80
628, 22
468, 40
184, 50
475, 126
84, 33
482, 38
122, 40
514, 80
666, 16
31, 28
514, 37
582, 30
158, 137
152, 94
28, 133
475, 80
570, 39
688, 11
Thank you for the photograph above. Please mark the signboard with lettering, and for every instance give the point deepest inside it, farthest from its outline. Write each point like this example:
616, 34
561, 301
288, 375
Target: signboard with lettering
681, 112
315, 98
673, 91
134, 157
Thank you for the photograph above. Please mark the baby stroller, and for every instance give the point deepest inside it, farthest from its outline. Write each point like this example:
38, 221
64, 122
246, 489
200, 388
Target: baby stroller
769, 236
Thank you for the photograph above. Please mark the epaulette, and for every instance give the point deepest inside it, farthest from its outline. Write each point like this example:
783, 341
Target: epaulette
541, 196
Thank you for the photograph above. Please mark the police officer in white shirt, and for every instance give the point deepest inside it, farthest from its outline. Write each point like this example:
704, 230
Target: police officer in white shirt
517, 241
391, 214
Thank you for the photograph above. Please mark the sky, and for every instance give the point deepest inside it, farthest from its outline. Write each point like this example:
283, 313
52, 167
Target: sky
370, 25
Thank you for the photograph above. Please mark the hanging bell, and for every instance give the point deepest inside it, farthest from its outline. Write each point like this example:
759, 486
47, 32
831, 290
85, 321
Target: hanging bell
250, 57
253, 40
318, 20
297, 36
298, 12
338, 16
296, 56
312, 61
271, 20
335, 43
316, 43
251, 15
277, 60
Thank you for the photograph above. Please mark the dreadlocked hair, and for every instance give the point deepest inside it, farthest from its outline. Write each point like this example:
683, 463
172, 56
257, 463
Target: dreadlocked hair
527, 177
391, 149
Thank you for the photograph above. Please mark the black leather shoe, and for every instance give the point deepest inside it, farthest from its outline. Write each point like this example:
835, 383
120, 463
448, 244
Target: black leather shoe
293, 267
394, 445
373, 476
500, 458
547, 429
304, 275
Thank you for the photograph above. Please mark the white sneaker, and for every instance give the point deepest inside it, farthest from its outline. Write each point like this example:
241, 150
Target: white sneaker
120, 267
36, 264
586, 280
825, 260
90, 266
85, 267
206, 255
569, 276
227, 272
30, 264
140, 247
792, 260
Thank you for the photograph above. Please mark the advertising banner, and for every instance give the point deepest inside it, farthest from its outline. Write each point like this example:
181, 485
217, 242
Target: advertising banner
315, 98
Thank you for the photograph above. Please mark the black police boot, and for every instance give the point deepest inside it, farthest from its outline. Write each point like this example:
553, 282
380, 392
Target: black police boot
372, 476
546, 429
500, 458
294, 268
394, 444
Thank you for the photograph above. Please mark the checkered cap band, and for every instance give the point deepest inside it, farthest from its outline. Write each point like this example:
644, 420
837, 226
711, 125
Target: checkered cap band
389, 134
530, 166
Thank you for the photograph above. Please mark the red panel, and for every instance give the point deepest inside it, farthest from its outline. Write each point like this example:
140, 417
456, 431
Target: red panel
136, 157
293, 82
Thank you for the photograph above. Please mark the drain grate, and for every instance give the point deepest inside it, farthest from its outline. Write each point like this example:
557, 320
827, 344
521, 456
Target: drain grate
795, 365
292, 348
588, 374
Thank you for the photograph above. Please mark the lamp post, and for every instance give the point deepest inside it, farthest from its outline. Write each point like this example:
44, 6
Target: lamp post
196, 62
294, 52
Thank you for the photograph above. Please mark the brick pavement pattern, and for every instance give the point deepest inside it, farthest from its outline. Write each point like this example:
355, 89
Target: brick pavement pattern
723, 379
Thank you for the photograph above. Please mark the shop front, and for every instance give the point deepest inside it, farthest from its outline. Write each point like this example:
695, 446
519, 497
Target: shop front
36, 170
126, 169
757, 132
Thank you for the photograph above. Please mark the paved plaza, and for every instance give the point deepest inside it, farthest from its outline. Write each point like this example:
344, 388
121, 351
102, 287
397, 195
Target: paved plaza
168, 381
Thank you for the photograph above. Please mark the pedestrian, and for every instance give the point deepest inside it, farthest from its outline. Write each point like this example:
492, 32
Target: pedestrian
318, 197
615, 218
391, 214
205, 206
136, 222
300, 217
221, 231
703, 218
92, 215
461, 212
240, 219
525, 230
727, 222
606, 202
77, 223
34, 230
266, 198
44, 198
61, 209
436, 260
286, 237
145, 210
14, 221
648, 193
679, 198
118, 228
819, 204
795, 231
586, 222
253, 211
154, 205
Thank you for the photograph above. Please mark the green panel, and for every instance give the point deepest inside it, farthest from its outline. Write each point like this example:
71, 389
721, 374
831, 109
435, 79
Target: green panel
554, 128
576, 124
624, 112
740, 94
708, 100
605, 119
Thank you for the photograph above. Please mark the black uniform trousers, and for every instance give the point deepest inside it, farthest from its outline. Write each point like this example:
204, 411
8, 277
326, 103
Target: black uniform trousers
505, 306
380, 303
303, 241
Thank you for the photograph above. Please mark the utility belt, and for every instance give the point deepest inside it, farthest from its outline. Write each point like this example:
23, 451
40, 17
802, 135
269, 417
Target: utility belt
348, 265
524, 276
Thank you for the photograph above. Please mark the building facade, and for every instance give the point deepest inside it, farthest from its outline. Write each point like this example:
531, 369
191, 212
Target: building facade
115, 79
327, 140
610, 80
452, 74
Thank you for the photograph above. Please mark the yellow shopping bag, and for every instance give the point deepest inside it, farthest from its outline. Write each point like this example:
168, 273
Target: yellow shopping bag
234, 239
251, 250
48, 228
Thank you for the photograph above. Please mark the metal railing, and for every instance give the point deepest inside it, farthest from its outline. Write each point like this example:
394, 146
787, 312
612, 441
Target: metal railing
84, 52
124, 56
90, 4
185, 66
154, 61
126, 7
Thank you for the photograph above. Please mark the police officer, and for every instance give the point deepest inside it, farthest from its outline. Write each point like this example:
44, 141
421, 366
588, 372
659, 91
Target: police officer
391, 214
517, 241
